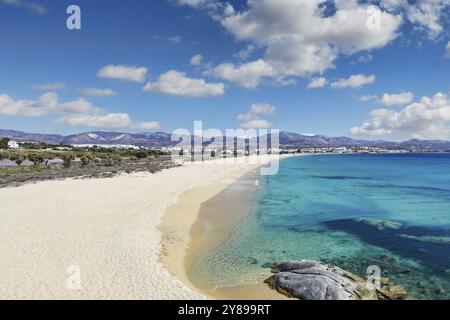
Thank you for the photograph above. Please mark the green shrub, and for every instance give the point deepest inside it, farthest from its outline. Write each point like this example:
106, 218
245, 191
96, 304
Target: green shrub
68, 158
18, 158
141, 154
4, 143
36, 158
86, 159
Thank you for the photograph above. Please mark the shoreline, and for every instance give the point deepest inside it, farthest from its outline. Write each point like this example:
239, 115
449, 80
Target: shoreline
203, 224
107, 228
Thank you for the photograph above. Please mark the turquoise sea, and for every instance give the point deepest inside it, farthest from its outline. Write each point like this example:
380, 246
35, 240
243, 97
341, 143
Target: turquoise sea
353, 211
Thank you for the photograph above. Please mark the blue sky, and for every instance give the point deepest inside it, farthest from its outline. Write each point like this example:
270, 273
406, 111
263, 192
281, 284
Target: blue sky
129, 68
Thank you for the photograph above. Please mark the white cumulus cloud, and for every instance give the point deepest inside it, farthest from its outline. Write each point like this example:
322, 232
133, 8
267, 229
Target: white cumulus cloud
368, 97
423, 14
104, 121
80, 105
317, 83
397, 99
427, 119
257, 109
251, 119
45, 104
192, 3
256, 124
196, 60
248, 75
245, 53
26, 108
355, 81
79, 112
263, 108
96, 92
303, 37
177, 83
293, 47
123, 72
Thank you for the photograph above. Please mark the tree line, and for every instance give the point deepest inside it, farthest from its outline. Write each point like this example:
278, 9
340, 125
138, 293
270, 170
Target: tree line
94, 155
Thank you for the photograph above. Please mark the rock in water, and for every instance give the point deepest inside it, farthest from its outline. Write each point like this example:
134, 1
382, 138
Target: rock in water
312, 280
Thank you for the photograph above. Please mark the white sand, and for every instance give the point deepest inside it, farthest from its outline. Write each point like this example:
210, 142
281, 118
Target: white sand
106, 227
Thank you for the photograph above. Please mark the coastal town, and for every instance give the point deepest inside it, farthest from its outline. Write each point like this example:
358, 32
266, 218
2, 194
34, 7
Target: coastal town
16, 147
243, 149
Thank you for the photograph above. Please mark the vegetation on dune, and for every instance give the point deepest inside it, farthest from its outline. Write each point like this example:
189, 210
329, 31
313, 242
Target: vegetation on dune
42, 153
86, 159
68, 158
4, 143
40, 162
37, 158
18, 158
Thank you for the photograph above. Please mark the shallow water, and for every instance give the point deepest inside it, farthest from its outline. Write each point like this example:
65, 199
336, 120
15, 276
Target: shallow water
353, 211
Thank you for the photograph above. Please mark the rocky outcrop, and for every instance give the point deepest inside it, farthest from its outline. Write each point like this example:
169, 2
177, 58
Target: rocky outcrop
312, 280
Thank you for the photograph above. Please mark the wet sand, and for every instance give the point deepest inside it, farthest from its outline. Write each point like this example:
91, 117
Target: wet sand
203, 226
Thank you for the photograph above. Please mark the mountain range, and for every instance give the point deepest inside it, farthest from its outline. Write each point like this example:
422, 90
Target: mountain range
288, 140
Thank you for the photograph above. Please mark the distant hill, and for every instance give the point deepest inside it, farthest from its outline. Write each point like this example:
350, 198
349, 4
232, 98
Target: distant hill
294, 140
158, 139
32, 137
163, 139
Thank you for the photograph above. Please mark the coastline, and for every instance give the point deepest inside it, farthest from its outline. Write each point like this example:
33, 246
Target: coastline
206, 217
107, 228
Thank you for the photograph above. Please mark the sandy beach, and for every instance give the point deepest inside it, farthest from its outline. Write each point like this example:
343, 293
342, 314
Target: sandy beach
207, 225
107, 231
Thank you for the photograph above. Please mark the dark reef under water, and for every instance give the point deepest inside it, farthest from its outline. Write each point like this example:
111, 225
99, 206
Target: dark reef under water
352, 211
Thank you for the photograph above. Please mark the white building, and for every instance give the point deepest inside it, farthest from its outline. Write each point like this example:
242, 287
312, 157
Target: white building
13, 144
109, 146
